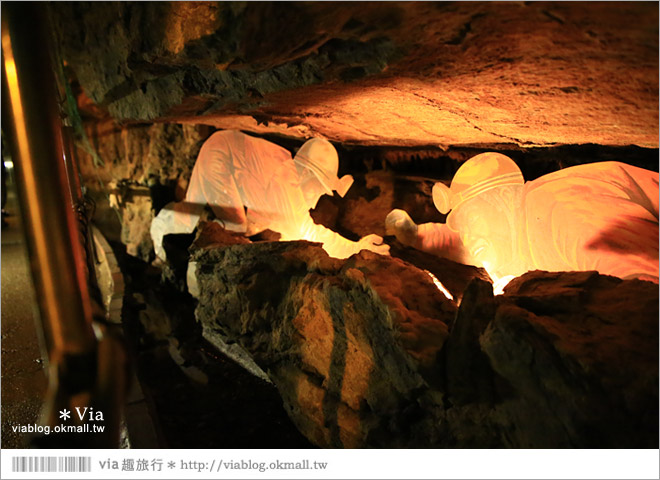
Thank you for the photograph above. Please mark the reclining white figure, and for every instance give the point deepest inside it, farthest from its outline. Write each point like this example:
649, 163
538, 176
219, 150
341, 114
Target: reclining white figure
599, 216
253, 185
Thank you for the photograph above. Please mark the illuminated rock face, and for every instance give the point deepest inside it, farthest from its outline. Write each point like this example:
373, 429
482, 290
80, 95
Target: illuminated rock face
443, 74
367, 353
350, 347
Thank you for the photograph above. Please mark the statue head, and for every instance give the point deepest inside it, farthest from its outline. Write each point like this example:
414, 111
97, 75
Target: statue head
318, 163
483, 202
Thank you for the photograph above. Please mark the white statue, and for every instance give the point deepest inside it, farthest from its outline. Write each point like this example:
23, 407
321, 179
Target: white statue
252, 185
598, 216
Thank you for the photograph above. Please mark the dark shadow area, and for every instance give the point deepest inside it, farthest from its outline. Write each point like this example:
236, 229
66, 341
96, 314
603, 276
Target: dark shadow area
627, 237
332, 396
24, 357
198, 397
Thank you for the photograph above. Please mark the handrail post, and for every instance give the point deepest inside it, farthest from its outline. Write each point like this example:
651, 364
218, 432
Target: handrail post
78, 348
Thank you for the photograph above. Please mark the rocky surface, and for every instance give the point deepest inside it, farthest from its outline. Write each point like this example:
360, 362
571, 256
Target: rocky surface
366, 352
197, 397
143, 167
372, 196
580, 351
428, 73
347, 344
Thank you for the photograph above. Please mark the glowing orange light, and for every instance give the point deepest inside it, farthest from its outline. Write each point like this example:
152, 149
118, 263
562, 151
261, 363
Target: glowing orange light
253, 185
440, 286
500, 283
599, 216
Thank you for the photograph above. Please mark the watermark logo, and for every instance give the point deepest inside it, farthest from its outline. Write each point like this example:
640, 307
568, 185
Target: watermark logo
92, 416
87, 420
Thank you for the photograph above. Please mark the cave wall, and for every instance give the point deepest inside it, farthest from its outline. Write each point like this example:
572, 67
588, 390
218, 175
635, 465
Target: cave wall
133, 171
411, 88
400, 73
407, 92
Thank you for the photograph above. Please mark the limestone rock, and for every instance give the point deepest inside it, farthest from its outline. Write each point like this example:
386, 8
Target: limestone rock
372, 196
135, 223
408, 74
144, 168
366, 352
580, 351
210, 234
468, 373
455, 276
145, 155
348, 344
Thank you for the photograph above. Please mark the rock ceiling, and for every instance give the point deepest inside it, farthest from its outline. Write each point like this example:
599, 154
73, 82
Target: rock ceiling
401, 74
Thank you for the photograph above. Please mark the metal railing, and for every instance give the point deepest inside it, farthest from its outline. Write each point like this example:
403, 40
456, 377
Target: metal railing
86, 361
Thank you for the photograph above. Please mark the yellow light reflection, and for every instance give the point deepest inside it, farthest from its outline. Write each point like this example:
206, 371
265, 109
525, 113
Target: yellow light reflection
35, 213
498, 282
440, 286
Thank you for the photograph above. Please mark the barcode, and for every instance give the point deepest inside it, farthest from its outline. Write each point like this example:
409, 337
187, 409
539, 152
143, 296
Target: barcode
51, 464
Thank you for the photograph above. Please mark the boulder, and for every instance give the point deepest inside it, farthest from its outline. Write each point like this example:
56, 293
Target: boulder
350, 346
579, 352
367, 352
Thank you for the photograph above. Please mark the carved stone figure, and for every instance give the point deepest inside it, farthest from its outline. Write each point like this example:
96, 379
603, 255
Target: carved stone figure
600, 216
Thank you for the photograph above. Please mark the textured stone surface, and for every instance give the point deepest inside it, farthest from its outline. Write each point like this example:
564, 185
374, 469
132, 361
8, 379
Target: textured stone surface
468, 376
143, 168
372, 196
365, 352
198, 397
135, 224
528, 73
348, 345
455, 276
580, 351
136, 154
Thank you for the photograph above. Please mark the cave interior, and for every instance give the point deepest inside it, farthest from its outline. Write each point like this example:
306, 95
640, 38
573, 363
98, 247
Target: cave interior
284, 346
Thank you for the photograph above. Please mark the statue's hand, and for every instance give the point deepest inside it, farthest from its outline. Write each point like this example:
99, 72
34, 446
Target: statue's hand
344, 184
374, 243
399, 223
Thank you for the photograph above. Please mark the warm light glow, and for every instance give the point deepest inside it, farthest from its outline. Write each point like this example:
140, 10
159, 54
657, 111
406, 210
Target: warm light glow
253, 185
498, 285
440, 286
35, 214
599, 216
498, 282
